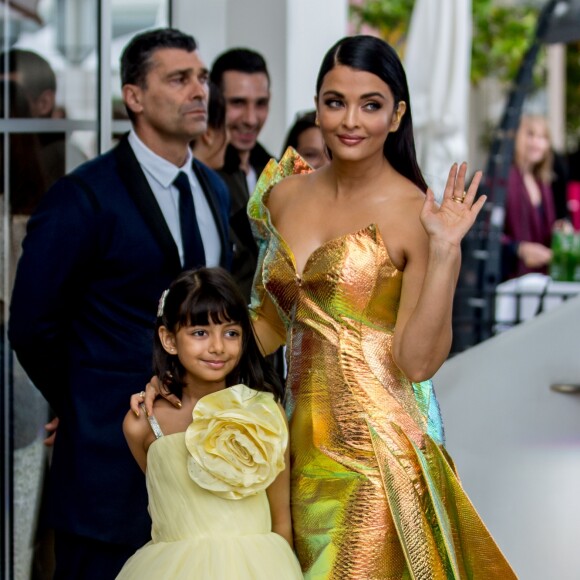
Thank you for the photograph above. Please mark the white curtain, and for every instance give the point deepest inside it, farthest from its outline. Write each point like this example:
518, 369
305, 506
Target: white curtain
437, 62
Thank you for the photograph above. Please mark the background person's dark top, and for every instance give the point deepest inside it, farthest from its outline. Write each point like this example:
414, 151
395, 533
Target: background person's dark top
245, 257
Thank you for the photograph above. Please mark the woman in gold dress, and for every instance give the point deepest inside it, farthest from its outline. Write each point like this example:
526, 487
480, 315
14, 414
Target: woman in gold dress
358, 266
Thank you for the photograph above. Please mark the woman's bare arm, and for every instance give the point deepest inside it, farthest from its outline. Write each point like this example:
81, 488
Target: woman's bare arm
423, 331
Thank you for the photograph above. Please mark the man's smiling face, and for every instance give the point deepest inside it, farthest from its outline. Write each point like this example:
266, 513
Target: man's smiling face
247, 97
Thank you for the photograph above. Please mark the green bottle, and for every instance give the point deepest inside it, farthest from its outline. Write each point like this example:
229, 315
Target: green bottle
559, 256
574, 266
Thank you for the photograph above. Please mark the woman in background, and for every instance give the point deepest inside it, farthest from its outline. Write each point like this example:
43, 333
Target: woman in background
530, 213
305, 136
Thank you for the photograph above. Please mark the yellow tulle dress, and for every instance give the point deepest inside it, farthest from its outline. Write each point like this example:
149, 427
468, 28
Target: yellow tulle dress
374, 494
207, 499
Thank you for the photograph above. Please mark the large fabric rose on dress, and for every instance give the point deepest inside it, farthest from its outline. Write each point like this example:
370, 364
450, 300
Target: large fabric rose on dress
236, 442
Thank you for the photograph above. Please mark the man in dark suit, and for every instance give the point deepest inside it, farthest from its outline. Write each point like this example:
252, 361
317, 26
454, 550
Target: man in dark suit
105, 242
243, 77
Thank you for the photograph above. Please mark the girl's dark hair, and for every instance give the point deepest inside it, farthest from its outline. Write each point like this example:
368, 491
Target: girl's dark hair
302, 123
373, 55
199, 297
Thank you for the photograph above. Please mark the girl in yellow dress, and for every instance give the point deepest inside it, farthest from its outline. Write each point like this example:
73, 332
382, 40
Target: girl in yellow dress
217, 467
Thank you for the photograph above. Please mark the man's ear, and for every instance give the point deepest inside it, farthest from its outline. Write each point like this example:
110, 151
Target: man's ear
132, 96
167, 340
44, 104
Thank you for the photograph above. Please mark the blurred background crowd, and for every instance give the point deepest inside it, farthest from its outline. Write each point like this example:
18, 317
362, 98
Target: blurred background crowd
496, 83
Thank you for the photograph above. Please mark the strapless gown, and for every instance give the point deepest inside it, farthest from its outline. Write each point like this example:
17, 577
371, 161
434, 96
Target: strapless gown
374, 494
198, 534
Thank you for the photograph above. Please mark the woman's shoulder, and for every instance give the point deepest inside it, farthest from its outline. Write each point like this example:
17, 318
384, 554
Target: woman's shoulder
290, 184
400, 220
288, 191
404, 198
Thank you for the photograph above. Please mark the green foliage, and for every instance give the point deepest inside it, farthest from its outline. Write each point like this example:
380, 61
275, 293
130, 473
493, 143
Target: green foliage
389, 17
501, 35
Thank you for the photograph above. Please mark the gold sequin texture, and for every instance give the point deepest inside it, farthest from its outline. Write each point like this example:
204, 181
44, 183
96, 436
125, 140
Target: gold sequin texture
374, 494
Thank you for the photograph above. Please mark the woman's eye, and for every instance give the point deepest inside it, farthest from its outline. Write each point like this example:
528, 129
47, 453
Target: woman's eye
198, 332
372, 106
333, 103
233, 333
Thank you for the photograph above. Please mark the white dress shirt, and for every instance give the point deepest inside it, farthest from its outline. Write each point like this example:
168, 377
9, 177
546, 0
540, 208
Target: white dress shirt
160, 175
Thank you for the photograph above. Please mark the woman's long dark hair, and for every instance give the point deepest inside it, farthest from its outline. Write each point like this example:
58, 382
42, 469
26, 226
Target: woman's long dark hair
198, 297
373, 55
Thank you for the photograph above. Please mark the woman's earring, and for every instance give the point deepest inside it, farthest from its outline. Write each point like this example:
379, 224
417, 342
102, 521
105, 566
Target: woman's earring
316, 121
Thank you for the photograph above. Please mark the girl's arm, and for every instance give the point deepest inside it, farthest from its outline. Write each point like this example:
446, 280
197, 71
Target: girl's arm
279, 498
136, 431
423, 333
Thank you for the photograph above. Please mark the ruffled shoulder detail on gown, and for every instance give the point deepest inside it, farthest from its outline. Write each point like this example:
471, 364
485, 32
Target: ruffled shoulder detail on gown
290, 164
236, 442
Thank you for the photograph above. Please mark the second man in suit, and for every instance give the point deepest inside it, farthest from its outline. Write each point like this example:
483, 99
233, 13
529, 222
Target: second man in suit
243, 77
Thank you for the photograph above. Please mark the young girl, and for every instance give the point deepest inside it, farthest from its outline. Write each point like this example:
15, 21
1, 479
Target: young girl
218, 485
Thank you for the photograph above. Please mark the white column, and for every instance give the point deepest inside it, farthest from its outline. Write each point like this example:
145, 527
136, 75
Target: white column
556, 54
205, 21
313, 27
261, 25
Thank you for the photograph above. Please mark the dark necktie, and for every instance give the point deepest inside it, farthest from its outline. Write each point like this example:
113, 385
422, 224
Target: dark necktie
193, 252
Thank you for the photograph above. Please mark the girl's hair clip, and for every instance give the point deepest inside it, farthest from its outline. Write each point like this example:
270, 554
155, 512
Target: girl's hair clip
161, 305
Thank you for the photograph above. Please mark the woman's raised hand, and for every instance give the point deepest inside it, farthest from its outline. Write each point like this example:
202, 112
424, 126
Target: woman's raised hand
450, 221
153, 389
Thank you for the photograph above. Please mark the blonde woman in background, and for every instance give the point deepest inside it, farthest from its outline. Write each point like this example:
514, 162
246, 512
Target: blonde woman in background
530, 213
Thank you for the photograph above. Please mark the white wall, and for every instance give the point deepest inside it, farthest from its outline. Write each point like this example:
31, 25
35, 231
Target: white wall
313, 27
206, 21
516, 443
292, 35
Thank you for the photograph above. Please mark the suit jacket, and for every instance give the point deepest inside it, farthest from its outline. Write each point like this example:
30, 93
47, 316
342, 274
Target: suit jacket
96, 258
245, 257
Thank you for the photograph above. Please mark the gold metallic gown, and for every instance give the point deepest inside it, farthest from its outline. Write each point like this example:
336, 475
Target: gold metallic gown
374, 494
